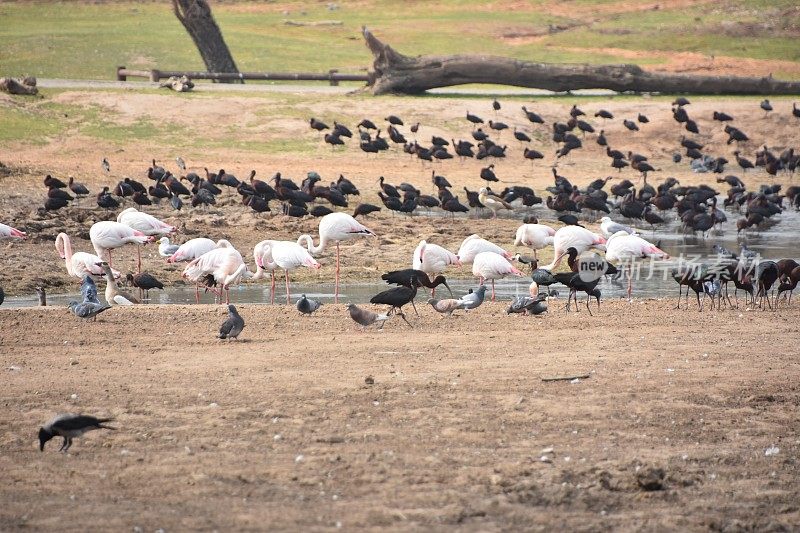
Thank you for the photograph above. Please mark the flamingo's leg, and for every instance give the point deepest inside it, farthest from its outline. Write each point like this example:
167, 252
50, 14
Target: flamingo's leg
492, 289
336, 291
272, 289
138, 259
287, 286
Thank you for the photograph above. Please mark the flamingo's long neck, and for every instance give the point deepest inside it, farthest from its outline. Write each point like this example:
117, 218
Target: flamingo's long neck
64, 248
235, 276
308, 242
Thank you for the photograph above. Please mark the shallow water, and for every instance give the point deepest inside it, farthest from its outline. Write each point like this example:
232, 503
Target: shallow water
778, 242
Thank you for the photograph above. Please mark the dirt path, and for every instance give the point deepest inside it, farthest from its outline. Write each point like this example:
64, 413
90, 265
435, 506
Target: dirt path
281, 430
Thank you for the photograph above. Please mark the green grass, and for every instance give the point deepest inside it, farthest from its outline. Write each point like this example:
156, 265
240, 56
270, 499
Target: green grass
82, 40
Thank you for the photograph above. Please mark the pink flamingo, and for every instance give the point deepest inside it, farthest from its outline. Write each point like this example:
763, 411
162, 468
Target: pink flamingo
433, 260
147, 224
194, 248
626, 248
573, 237
281, 254
225, 265
537, 236
473, 245
107, 235
334, 227
489, 265
79, 264
7, 232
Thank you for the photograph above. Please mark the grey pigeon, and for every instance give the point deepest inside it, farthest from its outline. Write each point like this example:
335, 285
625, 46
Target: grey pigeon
69, 426
473, 299
233, 325
527, 305
446, 306
89, 290
87, 309
306, 306
180, 162
365, 317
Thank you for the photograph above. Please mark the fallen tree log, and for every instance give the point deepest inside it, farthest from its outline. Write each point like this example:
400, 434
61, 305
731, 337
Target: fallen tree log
394, 72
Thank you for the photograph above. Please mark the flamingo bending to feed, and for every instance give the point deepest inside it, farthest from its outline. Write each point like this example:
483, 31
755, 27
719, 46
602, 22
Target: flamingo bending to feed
7, 232
573, 237
147, 224
107, 235
537, 236
224, 266
622, 247
433, 260
335, 227
194, 248
281, 254
492, 266
473, 245
79, 264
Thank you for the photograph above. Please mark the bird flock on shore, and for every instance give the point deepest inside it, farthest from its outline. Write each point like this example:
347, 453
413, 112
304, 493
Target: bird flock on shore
217, 265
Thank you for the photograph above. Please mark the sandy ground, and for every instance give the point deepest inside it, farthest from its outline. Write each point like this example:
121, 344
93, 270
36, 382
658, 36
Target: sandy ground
282, 431
35, 262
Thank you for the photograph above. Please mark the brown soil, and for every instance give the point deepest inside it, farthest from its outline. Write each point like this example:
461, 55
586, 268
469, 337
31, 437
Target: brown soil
282, 431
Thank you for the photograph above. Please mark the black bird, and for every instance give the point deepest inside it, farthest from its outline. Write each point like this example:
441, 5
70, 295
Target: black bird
643, 119
532, 154
307, 306
140, 198
533, 117
54, 204
59, 194
601, 139
766, 106
318, 125
735, 135
604, 114
342, 130
743, 162
487, 173
365, 209
454, 206
333, 139
392, 119
79, 189
233, 325
410, 276
176, 202
722, 117
367, 124
496, 105
475, 119
680, 115
681, 101
569, 220
498, 126
144, 282
256, 203
691, 126
575, 112
294, 210
397, 298
479, 135
320, 211
521, 136
631, 125
53, 183
70, 426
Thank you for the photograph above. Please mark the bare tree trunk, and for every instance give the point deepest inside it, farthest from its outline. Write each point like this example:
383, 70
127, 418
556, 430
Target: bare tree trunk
196, 17
396, 73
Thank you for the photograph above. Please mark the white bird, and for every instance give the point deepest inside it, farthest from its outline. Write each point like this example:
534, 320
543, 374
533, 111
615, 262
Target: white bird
113, 294
225, 266
609, 227
473, 245
107, 235
7, 232
79, 264
492, 201
165, 249
491, 266
573, 237
287, 255
433, 259
147, 224
194, 248
334, 227
625, 248
537, 236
